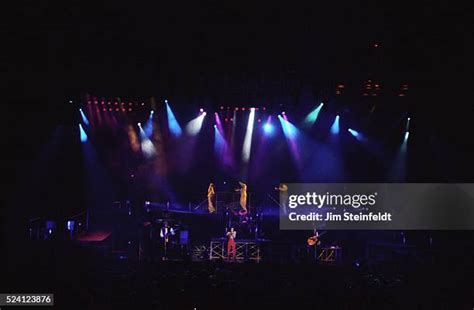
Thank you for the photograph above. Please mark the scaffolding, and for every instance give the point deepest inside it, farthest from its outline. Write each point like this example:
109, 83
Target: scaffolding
246, 250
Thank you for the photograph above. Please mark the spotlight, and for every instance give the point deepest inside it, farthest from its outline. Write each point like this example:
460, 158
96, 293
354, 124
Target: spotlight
313, 115
139, 124
194, 126
407, 134
335, 126
84, 118
221, 148
268, 128
82, 134
248, 137
353, 132
147, 146
173, 124
201, 110
149, 125
291, 133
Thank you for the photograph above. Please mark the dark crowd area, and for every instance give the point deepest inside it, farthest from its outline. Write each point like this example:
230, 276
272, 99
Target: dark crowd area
83, 277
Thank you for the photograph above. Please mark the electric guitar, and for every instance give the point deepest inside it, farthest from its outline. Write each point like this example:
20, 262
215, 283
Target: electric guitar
313, 240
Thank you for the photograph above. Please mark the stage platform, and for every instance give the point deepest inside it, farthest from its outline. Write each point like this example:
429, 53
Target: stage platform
246, 249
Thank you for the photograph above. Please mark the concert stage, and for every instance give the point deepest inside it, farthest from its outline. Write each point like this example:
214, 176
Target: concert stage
227, 156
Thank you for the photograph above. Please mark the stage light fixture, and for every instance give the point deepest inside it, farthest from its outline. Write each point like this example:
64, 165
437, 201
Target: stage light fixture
353, 132
149, 125
195, 125
335, 126
248, 137
84, 118
147, 146
173, 124
313, 115
82, 134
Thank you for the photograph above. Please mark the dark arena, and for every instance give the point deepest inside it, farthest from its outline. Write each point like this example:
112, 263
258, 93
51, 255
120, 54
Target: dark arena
234, 156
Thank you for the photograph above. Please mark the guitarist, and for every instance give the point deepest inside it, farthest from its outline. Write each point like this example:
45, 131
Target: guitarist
314, 238
165, 232
312, 243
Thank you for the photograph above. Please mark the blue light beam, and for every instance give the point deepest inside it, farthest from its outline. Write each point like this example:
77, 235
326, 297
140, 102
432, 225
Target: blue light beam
173, 124
149, 125
335, 126
82, 134
84, 118
311, 118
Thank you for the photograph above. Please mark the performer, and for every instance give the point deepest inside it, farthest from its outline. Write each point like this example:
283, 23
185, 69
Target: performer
243, 196
165, 232
210, 196
313, 242
231, 250
283, 189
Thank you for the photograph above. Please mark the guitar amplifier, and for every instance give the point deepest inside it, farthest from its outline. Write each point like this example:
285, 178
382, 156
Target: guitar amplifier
332, 254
